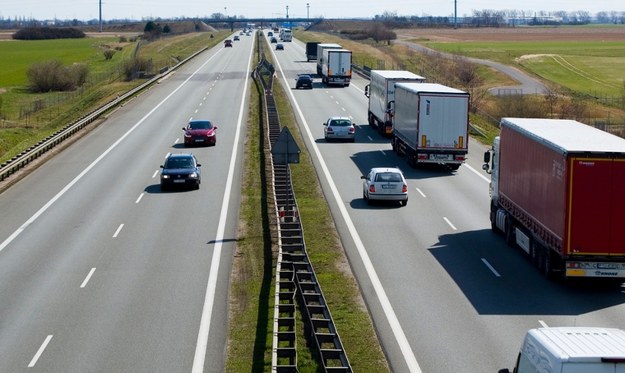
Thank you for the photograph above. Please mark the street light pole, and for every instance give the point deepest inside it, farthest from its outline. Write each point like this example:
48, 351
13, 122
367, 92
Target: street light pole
307, 10
287, 12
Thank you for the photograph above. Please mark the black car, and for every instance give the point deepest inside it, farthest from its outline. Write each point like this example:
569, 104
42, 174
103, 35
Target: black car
273, 39
304, 81
279, 47
180, 170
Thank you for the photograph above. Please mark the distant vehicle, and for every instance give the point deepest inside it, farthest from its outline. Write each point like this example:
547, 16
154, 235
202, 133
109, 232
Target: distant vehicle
227, 43
381, 91
286, 35
236, 38
556, 192
200, 132
385, 184
339, 128
320, 48
311, 50
273, 39
279, 47
304, 81
430, 124
180, 170
270, 33
336, 67
571, 350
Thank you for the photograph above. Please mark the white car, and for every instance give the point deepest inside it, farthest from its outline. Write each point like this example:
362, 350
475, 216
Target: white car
385, 184
339, 128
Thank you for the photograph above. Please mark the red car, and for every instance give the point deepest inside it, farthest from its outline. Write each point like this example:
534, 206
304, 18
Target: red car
200, 132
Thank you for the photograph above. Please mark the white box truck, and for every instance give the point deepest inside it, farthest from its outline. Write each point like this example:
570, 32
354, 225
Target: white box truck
430, 124
381, 91
336, 68
571, 350
320, 48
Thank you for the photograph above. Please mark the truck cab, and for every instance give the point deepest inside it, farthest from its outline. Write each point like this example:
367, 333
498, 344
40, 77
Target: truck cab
571, 350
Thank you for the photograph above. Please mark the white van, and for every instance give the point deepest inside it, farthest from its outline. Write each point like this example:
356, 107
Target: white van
572, 350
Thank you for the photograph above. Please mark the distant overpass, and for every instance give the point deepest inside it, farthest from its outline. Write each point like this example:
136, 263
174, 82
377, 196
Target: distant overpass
261, 21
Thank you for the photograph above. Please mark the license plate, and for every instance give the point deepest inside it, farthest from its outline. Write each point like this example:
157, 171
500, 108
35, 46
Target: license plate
199, 140
441, 157
388, 186
178, 180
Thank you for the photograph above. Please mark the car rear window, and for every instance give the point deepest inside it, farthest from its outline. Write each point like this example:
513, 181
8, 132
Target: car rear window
340, 123
179, 163
388, 177
200, 125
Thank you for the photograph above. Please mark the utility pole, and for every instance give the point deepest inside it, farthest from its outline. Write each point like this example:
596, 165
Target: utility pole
455, 14
100, 15
307, 10
287, 12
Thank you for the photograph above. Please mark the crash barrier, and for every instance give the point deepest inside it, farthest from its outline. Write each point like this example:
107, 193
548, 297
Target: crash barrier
296, 282
16, 163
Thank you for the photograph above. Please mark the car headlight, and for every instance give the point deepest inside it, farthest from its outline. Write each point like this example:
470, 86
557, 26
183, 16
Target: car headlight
164, 176
193, 175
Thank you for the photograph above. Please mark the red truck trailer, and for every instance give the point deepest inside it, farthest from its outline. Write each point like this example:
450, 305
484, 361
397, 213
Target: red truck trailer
558, 192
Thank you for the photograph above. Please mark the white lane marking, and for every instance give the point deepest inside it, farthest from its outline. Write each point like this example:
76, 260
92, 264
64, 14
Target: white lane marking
40, 351
86, 280
177, 140
343, 109
492, 269
209, 299
382, 151
480, 174
449, 223
421, 193
543, 324
43, 209
139, 199
398, 332
369, 137
119, 229
155, 173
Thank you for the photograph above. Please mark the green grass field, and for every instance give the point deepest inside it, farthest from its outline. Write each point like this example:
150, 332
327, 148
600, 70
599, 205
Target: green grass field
591, 67
16, 56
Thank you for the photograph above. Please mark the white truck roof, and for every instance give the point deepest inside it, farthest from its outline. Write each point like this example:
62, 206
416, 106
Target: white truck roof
566, 136
397, 74
429, 88
579, 344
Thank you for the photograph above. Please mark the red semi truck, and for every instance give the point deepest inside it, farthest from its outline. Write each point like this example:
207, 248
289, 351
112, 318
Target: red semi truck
558, 192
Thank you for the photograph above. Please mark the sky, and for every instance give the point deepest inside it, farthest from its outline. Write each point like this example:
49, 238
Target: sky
151, 9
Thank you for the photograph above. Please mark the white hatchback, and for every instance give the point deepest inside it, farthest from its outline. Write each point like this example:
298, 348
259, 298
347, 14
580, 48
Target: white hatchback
339, 128
385, 184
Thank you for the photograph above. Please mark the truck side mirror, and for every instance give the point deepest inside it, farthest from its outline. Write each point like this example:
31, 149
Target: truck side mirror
487, 157
506, 370
390, 106
367, 90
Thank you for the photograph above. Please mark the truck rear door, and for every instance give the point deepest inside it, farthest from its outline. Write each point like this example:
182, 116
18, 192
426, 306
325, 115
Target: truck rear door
596, 206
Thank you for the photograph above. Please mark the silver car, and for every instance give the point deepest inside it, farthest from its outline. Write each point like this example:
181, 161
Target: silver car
339, 128
385, 184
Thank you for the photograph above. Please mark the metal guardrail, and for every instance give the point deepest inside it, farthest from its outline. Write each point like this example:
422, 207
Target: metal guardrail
23, 159
295, 276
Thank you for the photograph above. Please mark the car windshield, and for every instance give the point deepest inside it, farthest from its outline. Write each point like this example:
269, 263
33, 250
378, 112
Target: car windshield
340, 123
204, 125
388, 177
179, 162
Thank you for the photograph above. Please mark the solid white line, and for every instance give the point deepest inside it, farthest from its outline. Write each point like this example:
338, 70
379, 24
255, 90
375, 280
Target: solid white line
40, 351
480, 174
421, 193
139, 199
491, 267
45, 207
209, 299
398, 332
86, 280
449, 223
119, 229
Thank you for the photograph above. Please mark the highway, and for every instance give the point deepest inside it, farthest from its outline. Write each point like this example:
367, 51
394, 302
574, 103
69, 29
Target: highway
445, 293
99, 269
